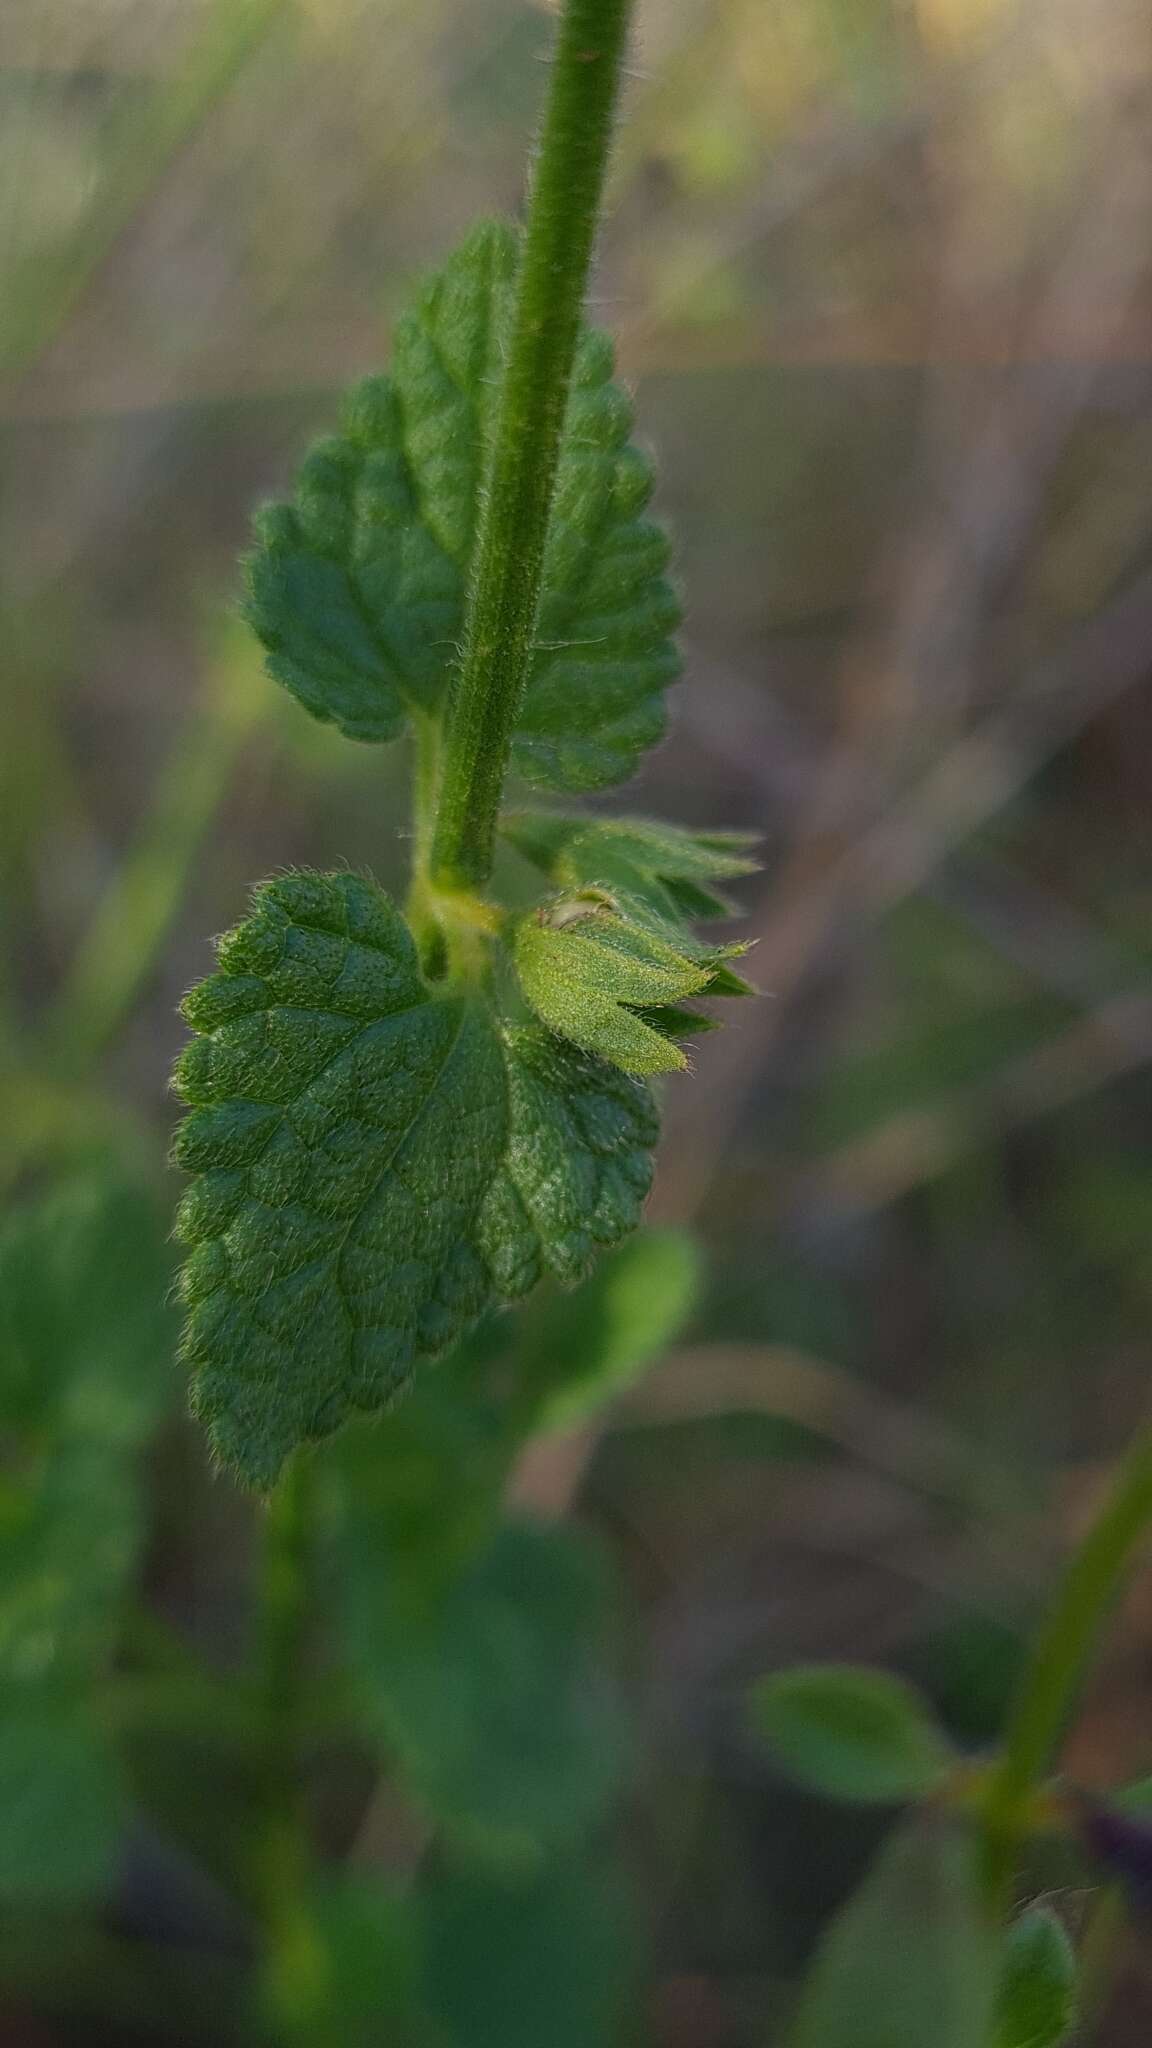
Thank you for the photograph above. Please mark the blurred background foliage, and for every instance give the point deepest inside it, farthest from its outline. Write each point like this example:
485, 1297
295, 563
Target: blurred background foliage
881, 274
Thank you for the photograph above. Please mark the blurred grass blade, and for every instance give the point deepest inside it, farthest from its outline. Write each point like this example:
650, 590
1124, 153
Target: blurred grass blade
47, 288
131, 923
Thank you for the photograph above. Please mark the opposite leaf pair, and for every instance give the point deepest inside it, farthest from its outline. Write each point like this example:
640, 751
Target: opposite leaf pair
382, 1158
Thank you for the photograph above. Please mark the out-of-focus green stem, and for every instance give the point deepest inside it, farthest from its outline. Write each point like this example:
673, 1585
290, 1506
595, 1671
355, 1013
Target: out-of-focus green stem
1059, 1658
38, 304
130, 926
296, 1969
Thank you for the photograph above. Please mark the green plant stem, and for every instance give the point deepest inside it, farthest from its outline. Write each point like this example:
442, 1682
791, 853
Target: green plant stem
1059, 1657
295, 1972
504, 593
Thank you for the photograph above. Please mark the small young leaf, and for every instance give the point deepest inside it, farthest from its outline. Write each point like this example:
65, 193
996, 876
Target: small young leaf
635, 885
345, 1130
1036, 2003
357, 588
540, 1960
673, 870
484, 1686
910, 1960
585, 969
851, 1732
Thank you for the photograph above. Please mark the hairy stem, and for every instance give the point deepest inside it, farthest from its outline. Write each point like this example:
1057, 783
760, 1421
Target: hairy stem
504, 593
1059, 1657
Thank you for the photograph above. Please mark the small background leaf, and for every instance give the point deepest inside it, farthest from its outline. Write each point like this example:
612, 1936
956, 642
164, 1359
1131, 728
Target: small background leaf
851, 1732
587, 979
485, 1684
1036, 2005
909, 1961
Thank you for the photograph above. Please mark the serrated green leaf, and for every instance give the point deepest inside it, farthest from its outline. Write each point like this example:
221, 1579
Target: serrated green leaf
537, 1962
1036, 2004
345, 1129
577, 1168
376, 1165
911, 1959
61, 1802
357, 588
484, 1685
851, 1732
585, 968
648, 878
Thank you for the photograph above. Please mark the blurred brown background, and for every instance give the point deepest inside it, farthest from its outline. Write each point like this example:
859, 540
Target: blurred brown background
881, 276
